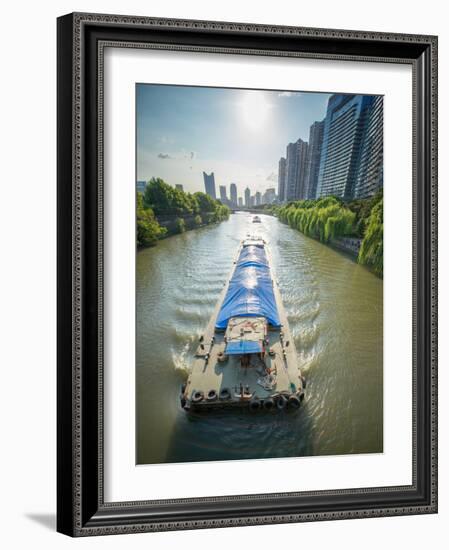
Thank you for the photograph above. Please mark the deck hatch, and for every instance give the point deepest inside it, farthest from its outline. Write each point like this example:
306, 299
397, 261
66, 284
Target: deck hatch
242, 347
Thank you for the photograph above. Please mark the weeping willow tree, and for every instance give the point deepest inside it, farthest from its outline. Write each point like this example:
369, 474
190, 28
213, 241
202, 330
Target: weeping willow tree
324, 219
340, 224
372, 249
329, 218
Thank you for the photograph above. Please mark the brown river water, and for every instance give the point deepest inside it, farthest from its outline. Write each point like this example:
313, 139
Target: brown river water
335, 310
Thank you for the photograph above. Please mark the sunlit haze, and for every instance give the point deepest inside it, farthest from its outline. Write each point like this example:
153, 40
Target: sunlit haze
239, 135
254, 110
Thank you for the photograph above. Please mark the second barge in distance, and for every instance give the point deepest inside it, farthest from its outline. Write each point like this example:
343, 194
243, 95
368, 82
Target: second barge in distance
246, 357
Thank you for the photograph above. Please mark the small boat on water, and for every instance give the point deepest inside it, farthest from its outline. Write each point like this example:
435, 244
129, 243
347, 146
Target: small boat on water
246, 357
256, 219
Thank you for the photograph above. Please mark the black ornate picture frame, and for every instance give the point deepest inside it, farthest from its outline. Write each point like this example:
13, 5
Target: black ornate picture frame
81, 510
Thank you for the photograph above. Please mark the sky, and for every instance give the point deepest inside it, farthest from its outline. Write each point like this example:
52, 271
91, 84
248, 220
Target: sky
240, 135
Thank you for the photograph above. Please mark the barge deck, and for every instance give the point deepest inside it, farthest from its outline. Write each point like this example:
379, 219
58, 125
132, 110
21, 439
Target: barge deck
246, 357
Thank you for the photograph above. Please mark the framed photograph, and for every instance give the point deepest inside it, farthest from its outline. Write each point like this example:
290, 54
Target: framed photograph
247, 279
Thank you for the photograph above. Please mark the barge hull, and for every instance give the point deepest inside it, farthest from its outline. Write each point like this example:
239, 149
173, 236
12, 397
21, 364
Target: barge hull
220, 381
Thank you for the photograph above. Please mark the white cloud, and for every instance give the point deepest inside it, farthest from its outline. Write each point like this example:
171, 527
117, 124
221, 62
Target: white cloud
182, 155
289, 94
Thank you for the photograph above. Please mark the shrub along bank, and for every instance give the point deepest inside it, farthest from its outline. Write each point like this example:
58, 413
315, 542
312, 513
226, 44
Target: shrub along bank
163, 210
330, 218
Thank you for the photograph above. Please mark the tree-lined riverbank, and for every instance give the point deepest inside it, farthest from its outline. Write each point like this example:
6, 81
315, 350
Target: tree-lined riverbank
163, 210
330, 218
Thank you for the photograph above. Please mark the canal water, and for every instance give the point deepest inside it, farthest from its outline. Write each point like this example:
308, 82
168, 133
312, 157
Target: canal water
335, 311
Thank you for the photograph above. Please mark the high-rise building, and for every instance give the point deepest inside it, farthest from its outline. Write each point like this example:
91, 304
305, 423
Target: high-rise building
313, 159
269, 196
370, 173
209, 184
296, 163
240, 202
252, 201
258, 198
223, 196
291, 170
345, 125
281, 179
179, 187
247, 197
301, 189
233, 193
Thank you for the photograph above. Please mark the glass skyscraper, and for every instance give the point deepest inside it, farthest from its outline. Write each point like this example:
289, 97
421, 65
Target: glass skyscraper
247, 197
281, 179
209, 184
344, 155
223, 196
345, 145
296, 164
233, 193
370, 172
313, 159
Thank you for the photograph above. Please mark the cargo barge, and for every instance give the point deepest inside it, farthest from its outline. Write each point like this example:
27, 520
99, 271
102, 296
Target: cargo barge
246, 357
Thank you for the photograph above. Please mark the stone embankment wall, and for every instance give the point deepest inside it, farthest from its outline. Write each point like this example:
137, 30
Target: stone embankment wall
348, 244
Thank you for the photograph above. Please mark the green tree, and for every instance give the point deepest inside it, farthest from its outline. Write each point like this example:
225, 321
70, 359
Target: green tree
148, 229
205, 202
180, 225
362, 208
158, 196
372, 248
328, 218
166, 200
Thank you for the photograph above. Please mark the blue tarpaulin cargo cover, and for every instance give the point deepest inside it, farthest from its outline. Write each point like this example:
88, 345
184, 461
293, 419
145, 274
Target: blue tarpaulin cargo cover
250, 292
240, 347
252, 255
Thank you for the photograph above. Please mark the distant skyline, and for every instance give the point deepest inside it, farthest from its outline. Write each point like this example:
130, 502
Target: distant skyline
237, 134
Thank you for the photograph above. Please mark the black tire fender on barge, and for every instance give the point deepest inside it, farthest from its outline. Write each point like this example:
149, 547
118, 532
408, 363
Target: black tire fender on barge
197, 396
212, 395
254, 405
268, 404
294, 402
281, 402
225, 394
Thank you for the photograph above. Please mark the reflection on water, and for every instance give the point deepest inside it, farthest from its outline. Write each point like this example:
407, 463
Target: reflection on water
335, 312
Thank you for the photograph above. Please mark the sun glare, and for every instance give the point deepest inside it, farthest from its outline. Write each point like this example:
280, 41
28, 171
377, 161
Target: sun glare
254, 110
